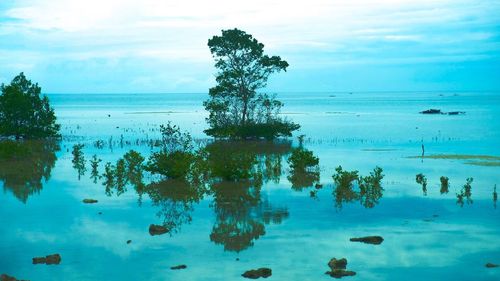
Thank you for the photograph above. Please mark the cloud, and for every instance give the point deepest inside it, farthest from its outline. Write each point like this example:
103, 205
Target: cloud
168, 35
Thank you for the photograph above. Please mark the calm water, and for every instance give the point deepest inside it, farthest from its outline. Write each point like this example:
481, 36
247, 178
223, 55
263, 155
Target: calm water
427, 236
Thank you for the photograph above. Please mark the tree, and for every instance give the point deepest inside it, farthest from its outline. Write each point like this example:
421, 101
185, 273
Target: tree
236, 109
23, 113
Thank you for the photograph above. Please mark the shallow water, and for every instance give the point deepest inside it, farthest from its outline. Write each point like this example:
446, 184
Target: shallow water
427, 236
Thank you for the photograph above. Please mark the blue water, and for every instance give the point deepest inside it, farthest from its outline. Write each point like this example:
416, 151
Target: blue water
427, 237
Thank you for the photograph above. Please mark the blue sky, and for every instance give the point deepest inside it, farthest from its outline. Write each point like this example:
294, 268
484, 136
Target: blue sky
92, 46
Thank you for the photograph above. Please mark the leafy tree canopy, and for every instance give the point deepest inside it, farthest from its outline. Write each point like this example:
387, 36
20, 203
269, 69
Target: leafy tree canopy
236, 109
24, 113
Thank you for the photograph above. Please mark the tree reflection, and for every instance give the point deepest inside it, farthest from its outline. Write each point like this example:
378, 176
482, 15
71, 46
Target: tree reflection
422, 180
24, 165
237, 172
444, 184
175, 199
78, 160
128, 170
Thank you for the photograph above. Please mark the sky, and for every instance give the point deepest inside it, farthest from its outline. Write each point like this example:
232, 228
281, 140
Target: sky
154, 46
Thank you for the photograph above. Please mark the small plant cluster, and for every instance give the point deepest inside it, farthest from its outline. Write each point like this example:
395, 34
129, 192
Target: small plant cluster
369, 187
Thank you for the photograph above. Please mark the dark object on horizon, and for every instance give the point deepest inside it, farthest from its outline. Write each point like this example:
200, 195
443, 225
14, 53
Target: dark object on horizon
338, 268
129, 241
235, 108
456, 112
5, 277
157, 229
23, 113
438, 111
50, 259
263, 272
375, 240
491, 265
89, 201
431, 111
177, 267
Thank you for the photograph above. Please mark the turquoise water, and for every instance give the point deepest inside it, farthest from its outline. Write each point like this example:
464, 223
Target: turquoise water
427, 236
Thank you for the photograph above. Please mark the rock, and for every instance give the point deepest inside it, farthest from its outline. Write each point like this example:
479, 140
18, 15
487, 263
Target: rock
339, 273
337, 263
456, 112
491, 265
157, 229
100, 213
89, 201
5, 277
50, 259
375, 240
182, 266
431, 111
129, 241
263, 272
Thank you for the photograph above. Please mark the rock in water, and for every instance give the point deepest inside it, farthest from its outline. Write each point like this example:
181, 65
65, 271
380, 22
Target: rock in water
491, 265
182, 266
263, 272
50, 259
157, 229
431, 111
5, 277
89, 201
337, 263
339, 273
375, 240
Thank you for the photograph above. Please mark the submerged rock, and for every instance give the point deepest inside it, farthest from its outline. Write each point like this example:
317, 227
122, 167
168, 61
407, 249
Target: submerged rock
375, 240
337, 263
129, 241
263, 272
491, 265
5, 277
89, 201
157, 229
50, 259
182, 266
431, 111
339, 273
338, 268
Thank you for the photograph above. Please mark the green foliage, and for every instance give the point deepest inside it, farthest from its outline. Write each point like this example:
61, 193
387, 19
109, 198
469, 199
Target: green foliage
128, 169
176, 156
422, 180
465, 193
235, 108
444, 184
23, 113
304, 169
370, 188
302, 159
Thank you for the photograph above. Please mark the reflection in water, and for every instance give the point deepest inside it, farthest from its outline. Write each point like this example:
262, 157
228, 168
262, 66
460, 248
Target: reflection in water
369, 190
237, 171
94, 164
175, 199
466, 193
128, 170
495, 196
23, 165
78, 160
422, 180
444, 184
